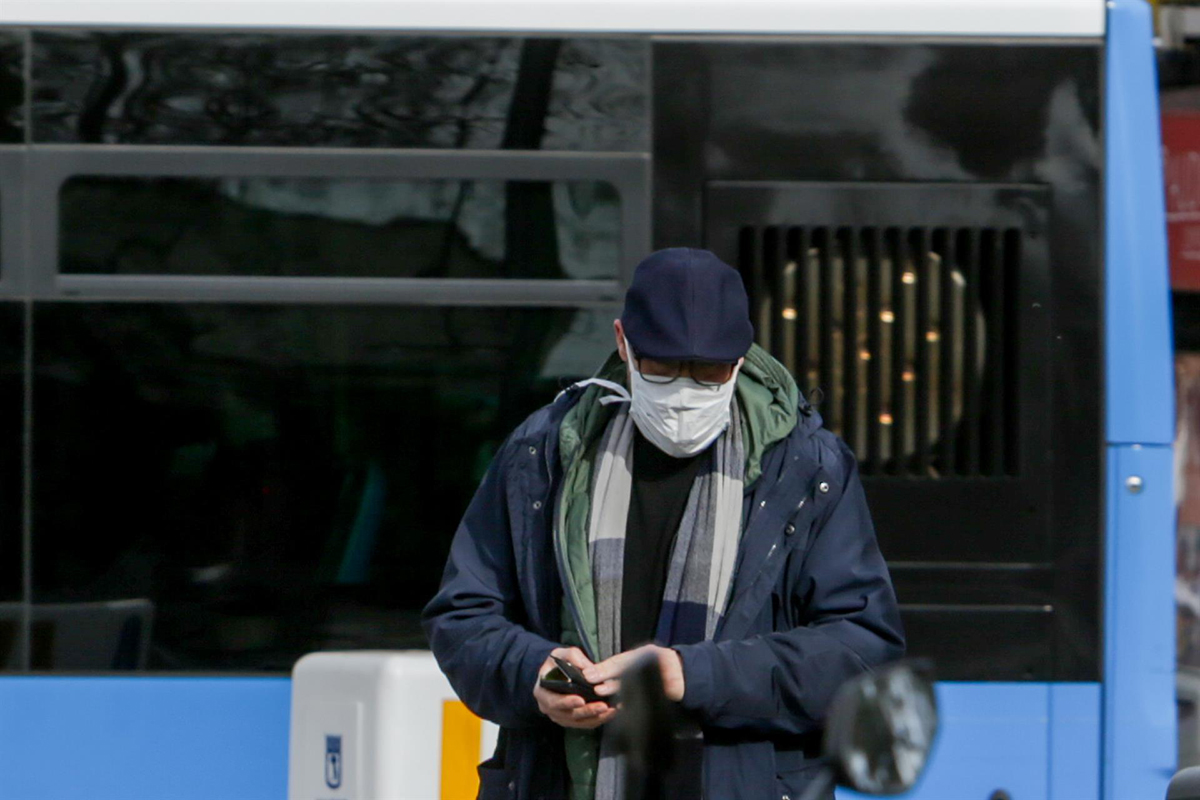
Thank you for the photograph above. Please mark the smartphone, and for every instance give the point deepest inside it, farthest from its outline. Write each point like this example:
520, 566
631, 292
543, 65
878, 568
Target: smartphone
566, 678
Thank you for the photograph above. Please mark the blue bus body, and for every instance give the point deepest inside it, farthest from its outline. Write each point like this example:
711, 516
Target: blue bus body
210, 737
1139, 645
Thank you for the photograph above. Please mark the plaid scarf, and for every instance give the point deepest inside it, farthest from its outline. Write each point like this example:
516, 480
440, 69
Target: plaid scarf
702, 558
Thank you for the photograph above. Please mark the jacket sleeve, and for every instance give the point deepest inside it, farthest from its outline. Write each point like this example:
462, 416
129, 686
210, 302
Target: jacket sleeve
782, 682
473, 622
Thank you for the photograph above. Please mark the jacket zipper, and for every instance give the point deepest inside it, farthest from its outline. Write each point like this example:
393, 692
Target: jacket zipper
775, 545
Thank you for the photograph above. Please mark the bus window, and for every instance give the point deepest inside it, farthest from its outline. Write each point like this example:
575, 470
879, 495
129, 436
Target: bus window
274, 479
343, 228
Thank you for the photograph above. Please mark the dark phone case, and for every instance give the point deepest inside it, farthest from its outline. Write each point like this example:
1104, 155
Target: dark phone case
571, 682
573, 673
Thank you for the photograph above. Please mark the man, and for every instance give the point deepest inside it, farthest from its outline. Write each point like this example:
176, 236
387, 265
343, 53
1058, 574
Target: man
687, 503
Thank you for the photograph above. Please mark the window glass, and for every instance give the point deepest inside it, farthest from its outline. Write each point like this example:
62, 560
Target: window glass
11, 483
12, 87
314, 227
345, 90
256, 482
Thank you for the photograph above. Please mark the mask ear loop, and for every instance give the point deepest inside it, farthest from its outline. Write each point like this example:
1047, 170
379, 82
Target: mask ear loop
622, 394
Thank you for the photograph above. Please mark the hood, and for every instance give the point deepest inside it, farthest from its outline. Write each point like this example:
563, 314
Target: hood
771, 406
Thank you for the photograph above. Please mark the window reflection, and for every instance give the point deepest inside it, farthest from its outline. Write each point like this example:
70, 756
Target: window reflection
11, 483
344, 90
12, 87
276, 479
315, 227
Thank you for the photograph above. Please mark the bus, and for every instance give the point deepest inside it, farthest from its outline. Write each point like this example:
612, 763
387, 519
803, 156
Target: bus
276, 279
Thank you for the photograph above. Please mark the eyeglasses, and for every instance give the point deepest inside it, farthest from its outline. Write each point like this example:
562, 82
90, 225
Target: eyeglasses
705, 373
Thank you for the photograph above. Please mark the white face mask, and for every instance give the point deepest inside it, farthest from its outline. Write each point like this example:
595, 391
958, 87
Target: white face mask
681, 418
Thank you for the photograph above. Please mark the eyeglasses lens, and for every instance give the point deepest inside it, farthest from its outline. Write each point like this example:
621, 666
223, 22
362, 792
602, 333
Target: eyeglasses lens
706, 373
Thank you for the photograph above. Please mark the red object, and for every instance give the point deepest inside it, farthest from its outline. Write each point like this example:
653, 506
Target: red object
1181, 164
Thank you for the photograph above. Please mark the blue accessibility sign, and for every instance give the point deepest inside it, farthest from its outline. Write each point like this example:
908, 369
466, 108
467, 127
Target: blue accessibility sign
333, 761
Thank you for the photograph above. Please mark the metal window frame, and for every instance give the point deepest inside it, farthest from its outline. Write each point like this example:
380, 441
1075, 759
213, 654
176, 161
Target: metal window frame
49, 166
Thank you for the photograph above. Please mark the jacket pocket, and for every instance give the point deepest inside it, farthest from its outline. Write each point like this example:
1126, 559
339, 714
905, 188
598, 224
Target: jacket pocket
794, 772
793, 785
496, 782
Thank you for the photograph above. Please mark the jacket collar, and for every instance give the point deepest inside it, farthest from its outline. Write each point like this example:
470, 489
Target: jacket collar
771, 403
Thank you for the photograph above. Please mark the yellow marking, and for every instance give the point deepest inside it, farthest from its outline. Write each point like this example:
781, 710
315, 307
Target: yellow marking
462, 732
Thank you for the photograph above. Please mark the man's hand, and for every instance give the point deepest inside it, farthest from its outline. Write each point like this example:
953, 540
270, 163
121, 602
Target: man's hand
608, 672
570, 710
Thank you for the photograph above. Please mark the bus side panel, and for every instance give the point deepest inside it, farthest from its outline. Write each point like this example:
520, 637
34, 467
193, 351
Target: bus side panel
227, 739
1139, 741
139, 738
1139, 399
1074, 740
993, 736
1139, 667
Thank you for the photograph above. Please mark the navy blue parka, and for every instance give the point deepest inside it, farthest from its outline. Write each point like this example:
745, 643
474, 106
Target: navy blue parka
811, 606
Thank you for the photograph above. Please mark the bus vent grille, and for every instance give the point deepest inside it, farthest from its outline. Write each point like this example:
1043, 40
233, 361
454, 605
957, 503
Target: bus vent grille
899, 336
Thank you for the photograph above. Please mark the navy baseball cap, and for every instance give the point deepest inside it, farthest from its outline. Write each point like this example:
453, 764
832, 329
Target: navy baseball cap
687, 305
